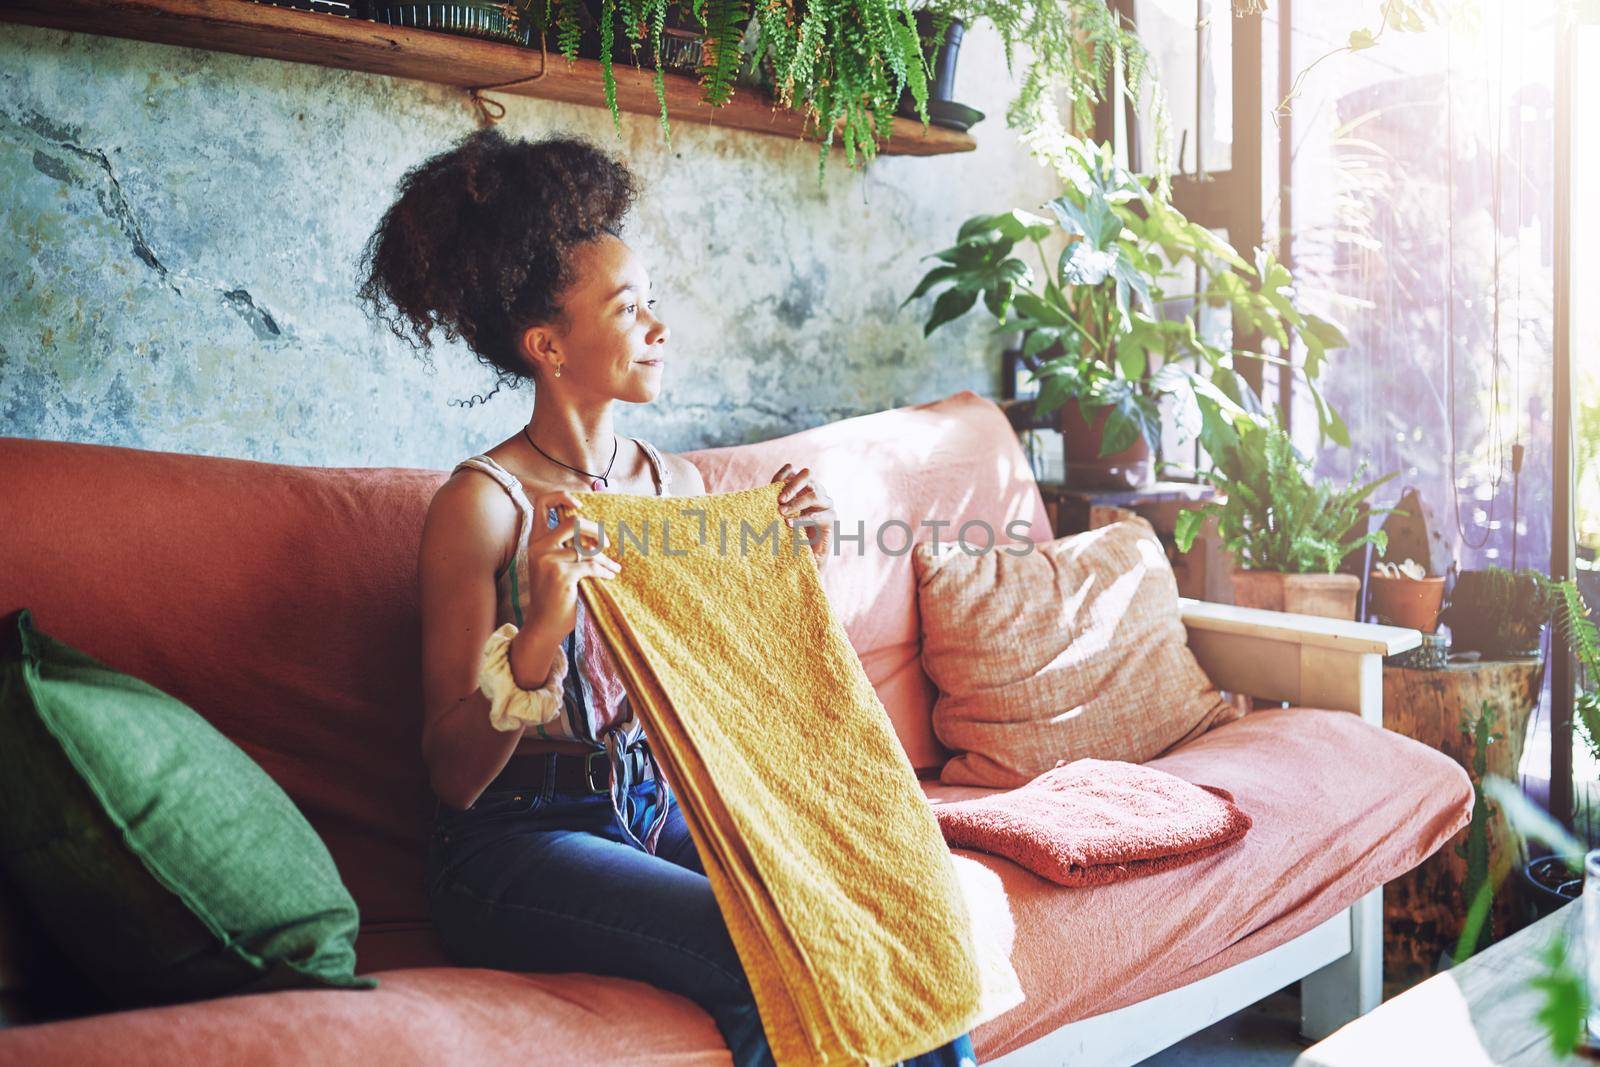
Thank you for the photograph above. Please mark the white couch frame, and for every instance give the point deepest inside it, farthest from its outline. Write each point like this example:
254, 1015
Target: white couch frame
1307, 661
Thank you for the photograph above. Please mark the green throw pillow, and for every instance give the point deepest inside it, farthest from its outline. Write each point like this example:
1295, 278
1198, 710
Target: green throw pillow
160, 859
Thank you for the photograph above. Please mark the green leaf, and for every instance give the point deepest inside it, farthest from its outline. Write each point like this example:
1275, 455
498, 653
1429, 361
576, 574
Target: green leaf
1360, 39
1190, 520
1329, 421
1039, 338
1131, 361
998, 300
973, 227
1020, 225
929, 280
971, 255
1040, 310
1013, 272
952, 304
1132, 416
1057, 389
1083, 264
1565, 1002
1531, 821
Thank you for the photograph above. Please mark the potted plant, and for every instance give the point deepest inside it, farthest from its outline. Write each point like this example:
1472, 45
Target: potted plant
1104, 335
1403, 594
1498, 613
1286, 529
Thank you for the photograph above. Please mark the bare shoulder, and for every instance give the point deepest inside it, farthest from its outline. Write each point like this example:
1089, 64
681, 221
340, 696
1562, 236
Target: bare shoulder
686, 479
470, 516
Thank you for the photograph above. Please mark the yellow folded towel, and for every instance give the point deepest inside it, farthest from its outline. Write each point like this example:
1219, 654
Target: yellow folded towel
824, 856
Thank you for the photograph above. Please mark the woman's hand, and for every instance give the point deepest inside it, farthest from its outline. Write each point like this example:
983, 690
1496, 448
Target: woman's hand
803, 498
555, 563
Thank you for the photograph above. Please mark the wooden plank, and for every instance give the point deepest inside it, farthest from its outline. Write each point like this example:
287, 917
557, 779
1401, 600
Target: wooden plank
1127, 1035
1340, 634
296, 36
1342, 681
1243, 663
1480, 1012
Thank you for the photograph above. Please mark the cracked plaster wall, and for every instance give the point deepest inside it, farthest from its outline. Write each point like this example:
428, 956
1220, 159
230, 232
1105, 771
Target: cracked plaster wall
182, 227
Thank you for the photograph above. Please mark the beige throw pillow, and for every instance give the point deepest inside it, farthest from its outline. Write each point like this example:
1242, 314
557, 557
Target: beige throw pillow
1073, 650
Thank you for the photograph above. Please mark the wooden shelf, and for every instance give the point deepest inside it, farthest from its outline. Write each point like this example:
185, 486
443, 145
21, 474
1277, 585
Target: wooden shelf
253, 29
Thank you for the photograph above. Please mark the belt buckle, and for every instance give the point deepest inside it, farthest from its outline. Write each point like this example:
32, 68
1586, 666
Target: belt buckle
588, 772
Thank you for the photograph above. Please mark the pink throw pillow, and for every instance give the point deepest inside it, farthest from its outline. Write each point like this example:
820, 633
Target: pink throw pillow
1074, 650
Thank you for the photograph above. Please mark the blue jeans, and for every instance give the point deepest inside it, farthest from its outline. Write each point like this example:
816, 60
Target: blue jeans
545, 880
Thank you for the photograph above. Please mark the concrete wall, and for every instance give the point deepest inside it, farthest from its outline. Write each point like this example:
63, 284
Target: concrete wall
181, 229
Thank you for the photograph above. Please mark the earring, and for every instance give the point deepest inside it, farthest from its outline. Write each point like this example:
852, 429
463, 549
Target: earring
558, 370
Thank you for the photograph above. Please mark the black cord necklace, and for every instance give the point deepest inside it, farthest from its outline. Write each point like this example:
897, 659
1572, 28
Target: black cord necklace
594, 479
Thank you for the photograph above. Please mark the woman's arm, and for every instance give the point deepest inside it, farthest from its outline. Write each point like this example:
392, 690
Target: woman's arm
456, 568
459, 558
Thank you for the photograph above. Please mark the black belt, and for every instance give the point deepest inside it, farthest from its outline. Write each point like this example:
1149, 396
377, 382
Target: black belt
585, 772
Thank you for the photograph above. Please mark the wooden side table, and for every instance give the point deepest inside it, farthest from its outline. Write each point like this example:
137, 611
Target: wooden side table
1424, 908
1480, 1012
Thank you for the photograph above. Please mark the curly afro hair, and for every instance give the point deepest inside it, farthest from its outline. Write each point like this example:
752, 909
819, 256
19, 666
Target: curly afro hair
480, 240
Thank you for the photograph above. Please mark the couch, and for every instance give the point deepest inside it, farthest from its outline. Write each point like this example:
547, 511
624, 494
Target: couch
280, 602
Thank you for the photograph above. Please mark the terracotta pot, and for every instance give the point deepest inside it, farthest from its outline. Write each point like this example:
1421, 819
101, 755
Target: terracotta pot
1410, 602
1086, 468
1330, 595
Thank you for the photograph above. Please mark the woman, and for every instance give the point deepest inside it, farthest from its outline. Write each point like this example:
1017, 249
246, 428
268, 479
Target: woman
557, 846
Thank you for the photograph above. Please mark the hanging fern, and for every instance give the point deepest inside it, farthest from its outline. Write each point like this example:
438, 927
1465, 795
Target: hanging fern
569, 28
720, 56
658, 21
844, 64
608, 10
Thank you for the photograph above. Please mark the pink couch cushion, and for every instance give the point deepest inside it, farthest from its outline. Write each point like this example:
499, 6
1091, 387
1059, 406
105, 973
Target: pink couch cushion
1340, 807
955, 460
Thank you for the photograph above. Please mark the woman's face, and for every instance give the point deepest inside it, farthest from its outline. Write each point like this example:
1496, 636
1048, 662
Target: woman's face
614, 346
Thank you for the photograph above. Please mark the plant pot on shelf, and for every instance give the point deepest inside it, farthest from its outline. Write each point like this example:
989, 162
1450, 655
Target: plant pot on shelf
469, 18
1332, 596
346, 8
943, 108
1086, 468
1409, 602
682, 40
1549, 882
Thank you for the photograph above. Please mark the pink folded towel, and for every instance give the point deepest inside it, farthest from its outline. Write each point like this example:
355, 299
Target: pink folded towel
1096, 821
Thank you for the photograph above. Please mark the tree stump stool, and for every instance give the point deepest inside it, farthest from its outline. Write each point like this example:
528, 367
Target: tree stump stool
1425, 907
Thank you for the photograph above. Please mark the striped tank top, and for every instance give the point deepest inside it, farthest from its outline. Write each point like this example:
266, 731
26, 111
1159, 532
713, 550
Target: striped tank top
595, 706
